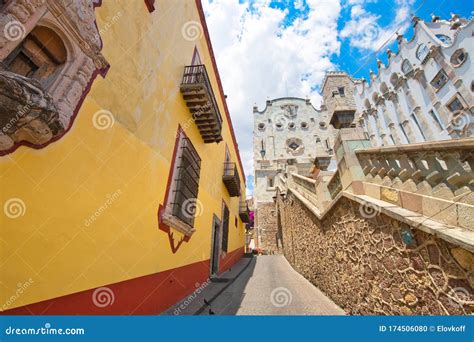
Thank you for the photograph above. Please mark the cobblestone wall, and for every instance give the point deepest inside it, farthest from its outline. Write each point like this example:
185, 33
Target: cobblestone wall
266, 223
364, 266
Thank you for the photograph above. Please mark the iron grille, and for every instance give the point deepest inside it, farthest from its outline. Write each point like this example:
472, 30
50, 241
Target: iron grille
185, 203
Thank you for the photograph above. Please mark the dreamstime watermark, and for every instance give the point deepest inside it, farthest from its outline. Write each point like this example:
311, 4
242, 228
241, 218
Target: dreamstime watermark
14, 208
14, 30
369, 210
21, 287
460, 296
370, 32
281, 297
22, 111
111, 198
46, 330
189, 299
192, 30
109, 22
192, 207
199, 110
103, 119
102, 297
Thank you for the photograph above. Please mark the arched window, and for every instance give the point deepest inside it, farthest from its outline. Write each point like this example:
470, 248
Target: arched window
261, 126
40, 56
394, 79
367, 104
375, 97
421, 52
406, 67
458, 57
383, 88
444, 39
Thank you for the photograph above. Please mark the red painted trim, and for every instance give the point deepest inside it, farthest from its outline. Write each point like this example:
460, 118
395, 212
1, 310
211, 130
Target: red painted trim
221, 89
161, 208
150, 5
102, 72
147, 295
230, 259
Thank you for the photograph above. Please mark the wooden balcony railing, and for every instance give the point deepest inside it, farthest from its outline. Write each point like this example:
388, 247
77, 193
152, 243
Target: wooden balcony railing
199, 96
231, 179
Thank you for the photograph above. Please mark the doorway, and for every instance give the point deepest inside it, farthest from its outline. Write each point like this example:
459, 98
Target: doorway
215, 246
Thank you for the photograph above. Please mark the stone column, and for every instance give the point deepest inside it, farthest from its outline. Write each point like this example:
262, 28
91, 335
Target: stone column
413, 104
390, 124
402, 116
419, 76
370, 131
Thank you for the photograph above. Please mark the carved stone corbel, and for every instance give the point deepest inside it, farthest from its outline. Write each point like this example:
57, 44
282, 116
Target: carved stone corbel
30, 113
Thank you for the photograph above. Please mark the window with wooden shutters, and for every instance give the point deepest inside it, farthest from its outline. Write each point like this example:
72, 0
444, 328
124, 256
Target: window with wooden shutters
183, 204
225, 229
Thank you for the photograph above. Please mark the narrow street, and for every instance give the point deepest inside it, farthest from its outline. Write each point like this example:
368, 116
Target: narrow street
270, 286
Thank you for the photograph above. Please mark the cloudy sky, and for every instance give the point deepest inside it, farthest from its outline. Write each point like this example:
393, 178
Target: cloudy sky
275, 48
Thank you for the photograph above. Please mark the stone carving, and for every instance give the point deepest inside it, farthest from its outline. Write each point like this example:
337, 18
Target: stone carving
27, 112
294, 146
291, 110
32, 113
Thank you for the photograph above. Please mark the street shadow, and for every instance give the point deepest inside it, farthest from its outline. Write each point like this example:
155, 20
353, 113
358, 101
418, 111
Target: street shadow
228, 300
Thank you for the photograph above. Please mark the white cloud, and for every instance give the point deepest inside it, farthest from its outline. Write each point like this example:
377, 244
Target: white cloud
364, 31
259, 57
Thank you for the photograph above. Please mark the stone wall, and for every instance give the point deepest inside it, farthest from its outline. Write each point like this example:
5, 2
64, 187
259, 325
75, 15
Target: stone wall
364, 266
267, 228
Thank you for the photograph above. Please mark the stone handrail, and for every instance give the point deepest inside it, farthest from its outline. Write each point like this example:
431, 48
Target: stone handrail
306, 182
428, 186
442, 169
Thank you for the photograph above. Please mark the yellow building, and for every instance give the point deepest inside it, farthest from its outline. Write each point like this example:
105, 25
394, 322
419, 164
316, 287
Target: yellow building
120, 174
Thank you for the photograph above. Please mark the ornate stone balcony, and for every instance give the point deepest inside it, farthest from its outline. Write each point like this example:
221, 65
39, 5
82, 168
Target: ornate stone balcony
231, 179
199, 96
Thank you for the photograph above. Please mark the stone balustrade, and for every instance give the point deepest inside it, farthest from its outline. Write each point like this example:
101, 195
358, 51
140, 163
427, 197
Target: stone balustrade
441, 169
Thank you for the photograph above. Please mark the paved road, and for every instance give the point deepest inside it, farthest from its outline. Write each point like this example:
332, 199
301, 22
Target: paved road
270, 286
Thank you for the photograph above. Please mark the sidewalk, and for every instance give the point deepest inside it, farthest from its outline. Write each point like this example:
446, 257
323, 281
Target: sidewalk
195, 303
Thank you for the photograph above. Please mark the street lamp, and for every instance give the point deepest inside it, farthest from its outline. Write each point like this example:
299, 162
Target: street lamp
262, 151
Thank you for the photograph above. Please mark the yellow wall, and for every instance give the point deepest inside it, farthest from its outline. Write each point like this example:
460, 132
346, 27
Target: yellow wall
63, 184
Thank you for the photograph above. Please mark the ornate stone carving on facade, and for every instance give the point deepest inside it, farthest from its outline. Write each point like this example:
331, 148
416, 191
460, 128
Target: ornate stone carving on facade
290, 110
294, 146
27, 112
47, 96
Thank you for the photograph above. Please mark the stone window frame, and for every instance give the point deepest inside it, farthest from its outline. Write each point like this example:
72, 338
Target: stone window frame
457, 97
171, 216
76, 27
341, 93
422, 48
440, 80
444, 39
407, 67
455, 57
270, 182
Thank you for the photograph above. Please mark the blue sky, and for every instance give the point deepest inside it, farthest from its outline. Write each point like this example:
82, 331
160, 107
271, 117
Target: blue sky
267, 49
